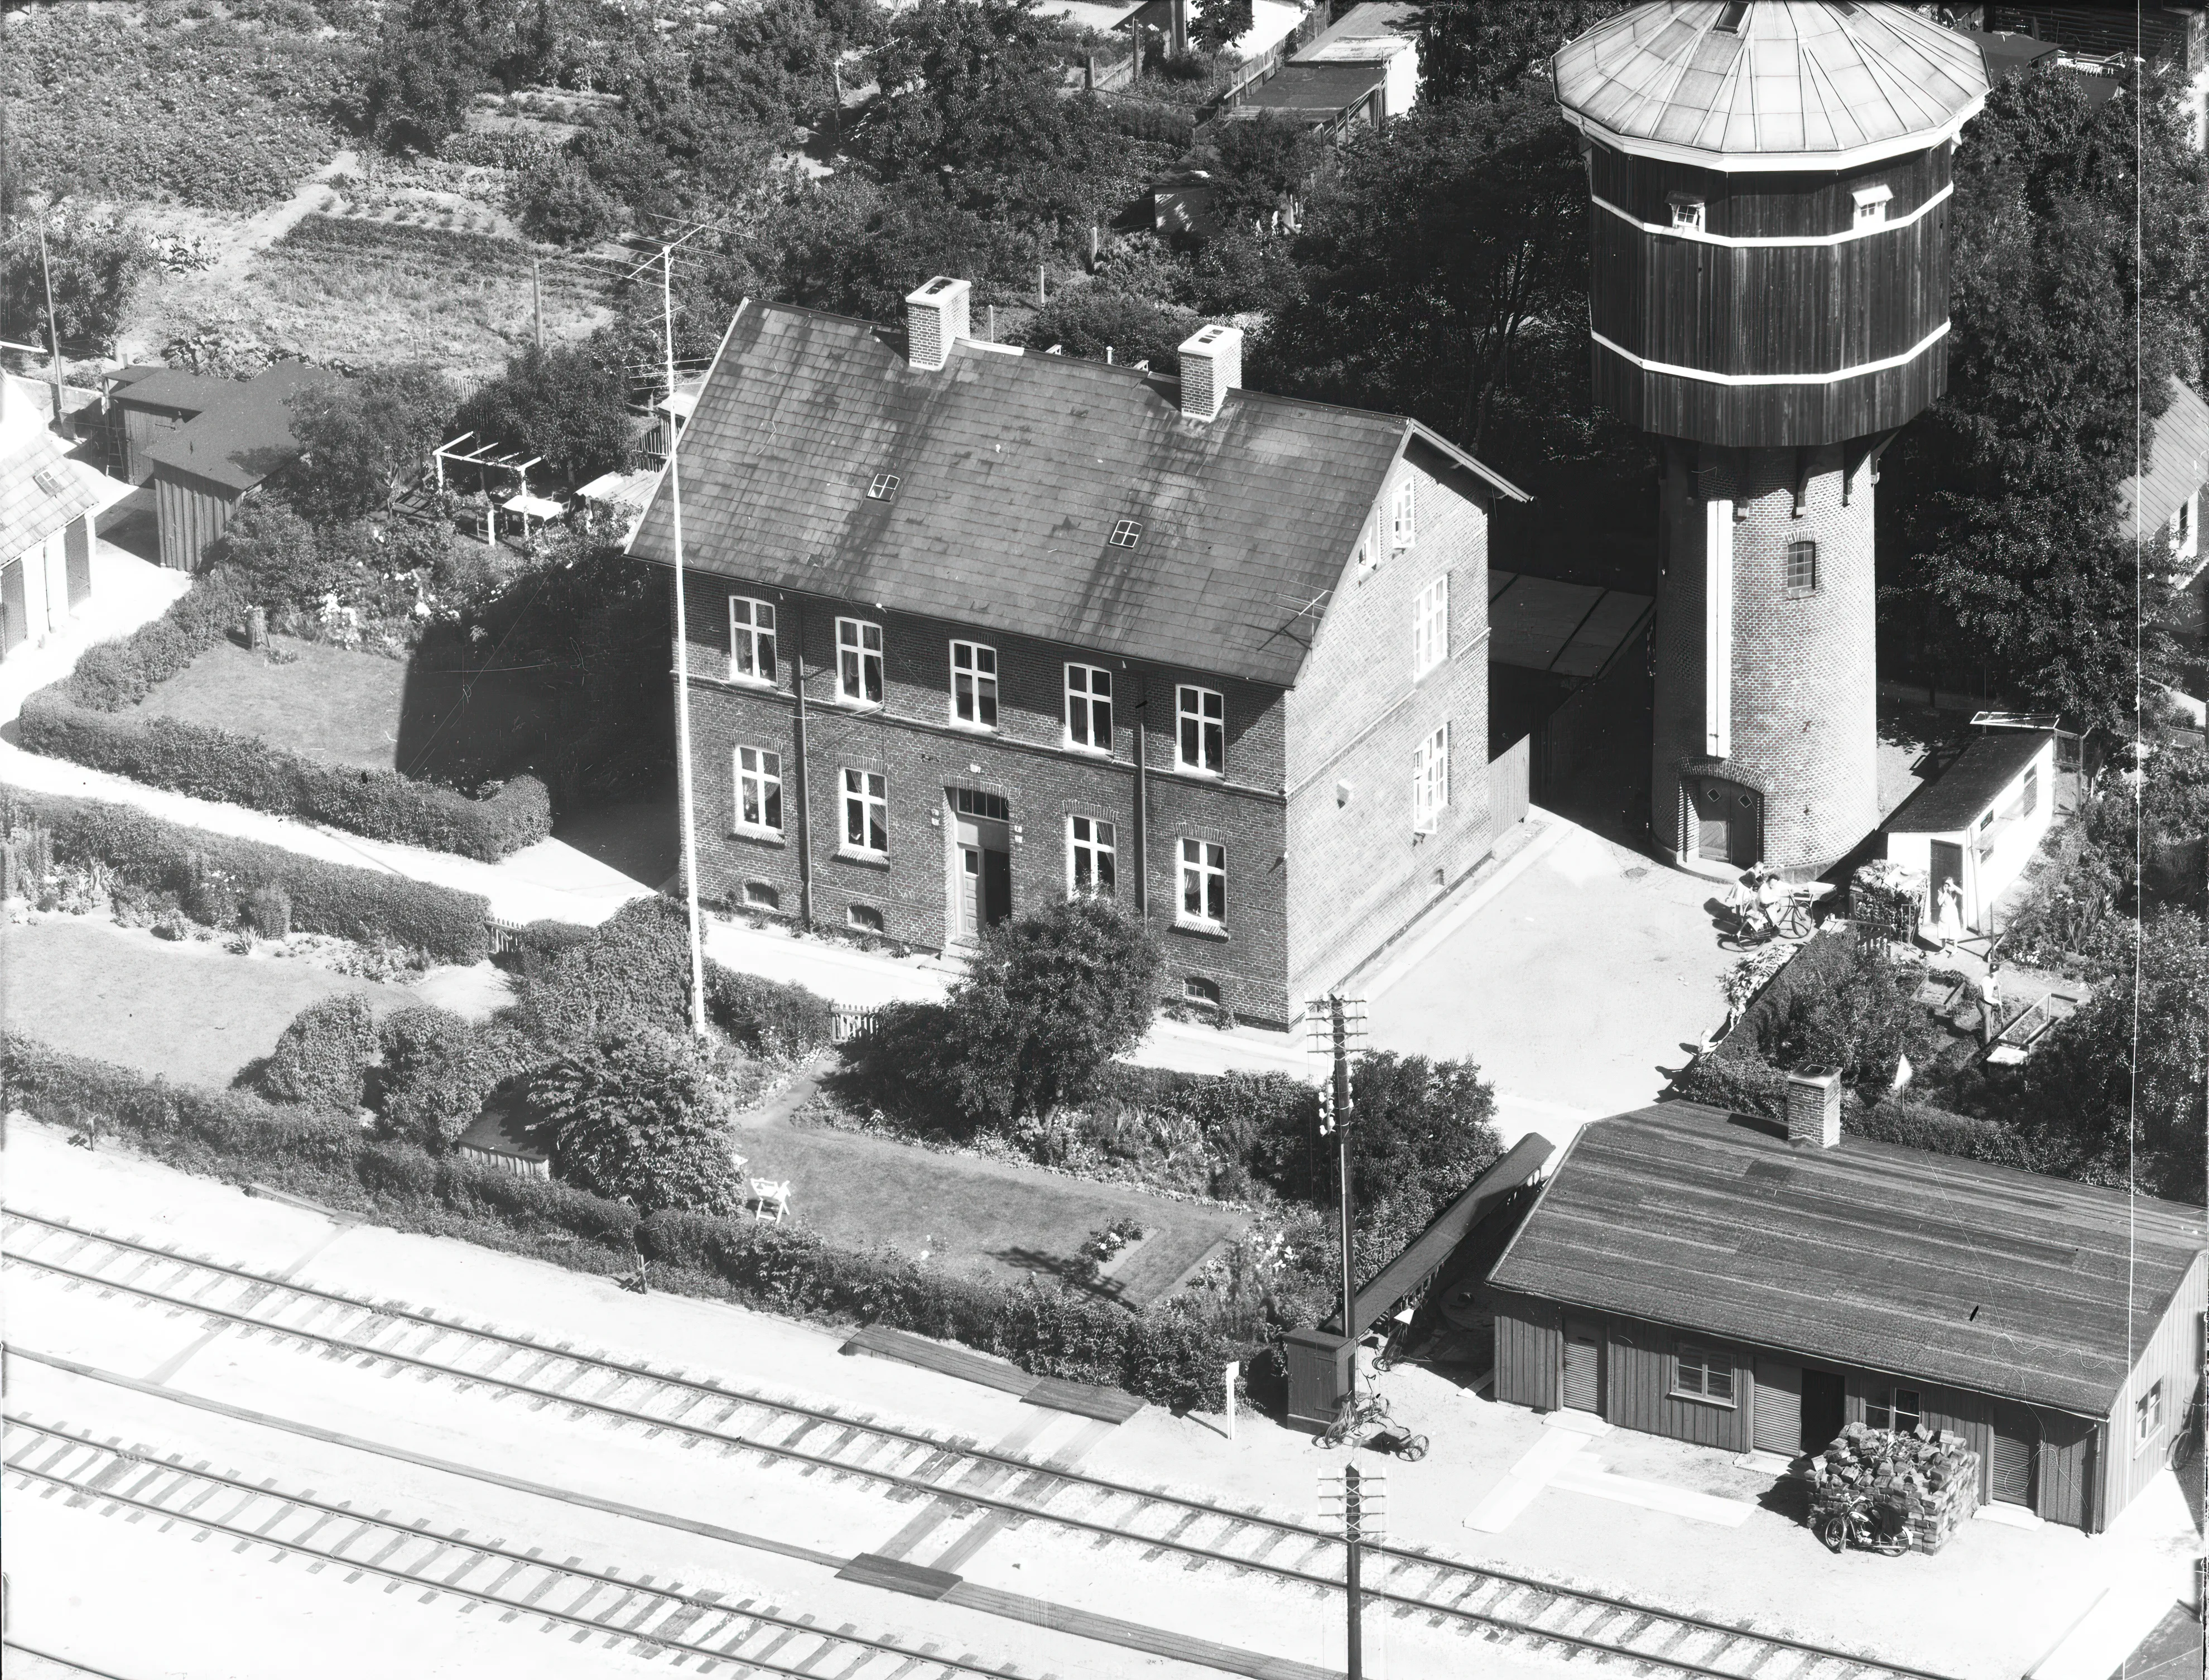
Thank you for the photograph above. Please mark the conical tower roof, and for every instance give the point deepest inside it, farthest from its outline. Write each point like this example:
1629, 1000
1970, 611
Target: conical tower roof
1778, 84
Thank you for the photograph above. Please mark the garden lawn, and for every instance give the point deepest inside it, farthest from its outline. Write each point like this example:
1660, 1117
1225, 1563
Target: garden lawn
970, 1214
336, 707
188, 1011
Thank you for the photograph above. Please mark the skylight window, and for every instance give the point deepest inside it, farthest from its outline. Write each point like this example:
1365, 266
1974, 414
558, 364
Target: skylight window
48, 481
1127, 533
884, 487
1731, 17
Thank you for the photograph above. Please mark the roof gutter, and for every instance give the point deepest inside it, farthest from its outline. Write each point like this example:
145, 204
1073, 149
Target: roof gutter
1428, 435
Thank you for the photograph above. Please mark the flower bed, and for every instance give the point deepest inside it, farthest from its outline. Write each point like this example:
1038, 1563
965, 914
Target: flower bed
1919, 1482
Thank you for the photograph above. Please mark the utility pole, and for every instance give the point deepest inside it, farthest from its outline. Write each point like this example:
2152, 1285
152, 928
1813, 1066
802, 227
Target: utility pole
537, 297
53, 326
1360, 1498
1338, 1033
682, 658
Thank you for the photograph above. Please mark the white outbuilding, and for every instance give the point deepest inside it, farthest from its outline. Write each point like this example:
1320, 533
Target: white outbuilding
1979, 821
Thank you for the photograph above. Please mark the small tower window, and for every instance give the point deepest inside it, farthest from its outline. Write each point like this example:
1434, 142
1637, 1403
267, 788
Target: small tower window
1871, 204
1687, 211
1802, 568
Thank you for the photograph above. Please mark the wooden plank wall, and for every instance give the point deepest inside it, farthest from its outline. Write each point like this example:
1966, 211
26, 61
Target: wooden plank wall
1528, 1353
2173, 1357
1638, 1361
1779, 416
142, 428
189, 518
1759, 206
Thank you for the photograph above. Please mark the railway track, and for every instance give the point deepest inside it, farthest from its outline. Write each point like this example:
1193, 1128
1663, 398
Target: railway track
563, 1595
1493, 1603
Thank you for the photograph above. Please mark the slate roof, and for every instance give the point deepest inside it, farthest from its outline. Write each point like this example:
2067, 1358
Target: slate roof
1013, 470
1973, 780
41, 488
1806, 81
241, 439
2177, 462
1868, 1254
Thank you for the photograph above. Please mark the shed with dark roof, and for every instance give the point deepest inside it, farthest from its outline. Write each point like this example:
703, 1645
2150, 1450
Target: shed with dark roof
241, 433
1697, 1275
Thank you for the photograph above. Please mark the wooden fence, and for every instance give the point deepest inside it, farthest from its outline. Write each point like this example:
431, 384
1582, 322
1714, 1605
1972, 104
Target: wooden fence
845, 1024
505, 935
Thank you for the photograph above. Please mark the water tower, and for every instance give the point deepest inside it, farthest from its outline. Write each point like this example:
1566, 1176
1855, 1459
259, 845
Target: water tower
1768, 295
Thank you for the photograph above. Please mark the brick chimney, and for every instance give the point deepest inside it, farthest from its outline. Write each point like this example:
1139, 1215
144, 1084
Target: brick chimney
934, 320
1813, 1107
1211, 367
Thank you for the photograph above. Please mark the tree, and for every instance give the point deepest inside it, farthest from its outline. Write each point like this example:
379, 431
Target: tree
636, 1116
1220, 23
2121, 1084
1048, 1000
1084, 320
849, 245
556, 201
276, 557
1255, 166
1999, 543
566, 404
438, 1068
415, 87
1421, 1133
362, 440
1479, 50
97, 264
1847, 1006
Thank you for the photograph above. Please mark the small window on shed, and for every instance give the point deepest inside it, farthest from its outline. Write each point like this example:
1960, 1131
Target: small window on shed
883, 487
1894, 1409
1871, 204
2031, 802
1704, 1373
758, 895
1127, 533
1687, 212
2147, 1416
864, 917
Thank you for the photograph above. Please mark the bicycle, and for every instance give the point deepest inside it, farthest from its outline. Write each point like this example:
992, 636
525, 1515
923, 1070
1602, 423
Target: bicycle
1755, 923
1366, 1422
1859, 1525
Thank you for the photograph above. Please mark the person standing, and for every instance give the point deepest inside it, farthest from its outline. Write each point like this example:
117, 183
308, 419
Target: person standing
1990, 1005
1948, 914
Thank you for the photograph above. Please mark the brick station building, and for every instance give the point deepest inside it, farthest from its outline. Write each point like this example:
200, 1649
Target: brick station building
972, 630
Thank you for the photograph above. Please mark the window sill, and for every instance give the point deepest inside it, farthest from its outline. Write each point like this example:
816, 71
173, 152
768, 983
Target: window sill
1704, 1399
2154, 1439
965, 728
756, 685
758, 836
877, 860
1100, 753
843, 705
1201, 929
1420, 676
1194, 773
1809, 595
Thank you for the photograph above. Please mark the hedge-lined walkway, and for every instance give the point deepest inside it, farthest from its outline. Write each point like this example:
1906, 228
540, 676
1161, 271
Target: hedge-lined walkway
189, 1010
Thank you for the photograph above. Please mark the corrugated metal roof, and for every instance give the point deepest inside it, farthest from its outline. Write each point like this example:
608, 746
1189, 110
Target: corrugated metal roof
2177, 462
1806, 78
1973, 780
1868, 1254
240, 440
1013, 473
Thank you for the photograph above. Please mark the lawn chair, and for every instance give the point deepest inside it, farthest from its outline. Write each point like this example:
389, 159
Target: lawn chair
766, 1194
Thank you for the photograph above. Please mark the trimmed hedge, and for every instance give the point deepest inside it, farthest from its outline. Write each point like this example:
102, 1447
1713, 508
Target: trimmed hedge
1940, 1131
768, 1017
323, 1057
116, 674
212, 763
338, 899
1163, 1355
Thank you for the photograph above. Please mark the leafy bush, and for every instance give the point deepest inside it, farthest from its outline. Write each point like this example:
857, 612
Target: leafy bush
1156, 120
212, 763
1087, 320
633, 971
767, 1017
1739, 1082
153, 855
1939, 1132
556, 201
1047, 1002
438, 1069
1166, 1354
568, 404
116, 674
323, 1057
636, 1116
269, 908
1842, 1003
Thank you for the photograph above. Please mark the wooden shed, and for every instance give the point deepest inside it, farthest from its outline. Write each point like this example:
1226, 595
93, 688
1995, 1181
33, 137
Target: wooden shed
147, 403
203, 468
1694, 1274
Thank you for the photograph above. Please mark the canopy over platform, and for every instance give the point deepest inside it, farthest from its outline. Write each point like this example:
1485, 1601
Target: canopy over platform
1567, 630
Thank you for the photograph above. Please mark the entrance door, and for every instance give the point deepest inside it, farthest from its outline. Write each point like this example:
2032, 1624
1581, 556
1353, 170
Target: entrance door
1714, 825
79, 543
1583, 1369
970, 892
1947, 865
981, 871
2015, 1447
15, 617
1729, 822
1825, 1408
1778, 1423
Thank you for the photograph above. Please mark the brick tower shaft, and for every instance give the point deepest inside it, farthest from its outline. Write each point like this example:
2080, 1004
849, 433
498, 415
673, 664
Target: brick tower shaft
1770, 753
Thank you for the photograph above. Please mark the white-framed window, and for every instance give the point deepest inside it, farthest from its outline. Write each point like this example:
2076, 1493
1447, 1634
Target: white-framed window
759, 790
1126, 534
1202, 743
1430, 780
1431, 626
882, 487
1894, 1409
1687, 212
1369, 561
1203, 883
2147, 1416
858, 662
1092, 859
1801, 577
973, 684
751, 639
866, 812
2185, 528
1089, 708
1704, 1372
1403, 512
1871, 204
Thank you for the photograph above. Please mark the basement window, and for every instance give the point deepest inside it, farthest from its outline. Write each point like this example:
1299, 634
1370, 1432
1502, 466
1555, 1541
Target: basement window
1703, 1373
862, 918
884, 488
761, 895
1127, 533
